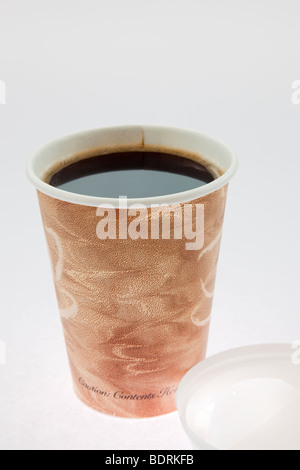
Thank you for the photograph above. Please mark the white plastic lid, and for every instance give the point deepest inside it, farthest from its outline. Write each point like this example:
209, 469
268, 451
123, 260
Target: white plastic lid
244, 399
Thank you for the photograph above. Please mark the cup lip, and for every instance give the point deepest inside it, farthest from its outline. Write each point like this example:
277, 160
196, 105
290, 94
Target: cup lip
235, 355
169, 199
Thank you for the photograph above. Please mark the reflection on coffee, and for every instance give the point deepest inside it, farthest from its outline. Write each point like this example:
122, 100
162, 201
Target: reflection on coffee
135, 174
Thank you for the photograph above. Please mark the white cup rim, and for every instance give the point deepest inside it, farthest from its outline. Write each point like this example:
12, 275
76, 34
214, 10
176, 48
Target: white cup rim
206, 146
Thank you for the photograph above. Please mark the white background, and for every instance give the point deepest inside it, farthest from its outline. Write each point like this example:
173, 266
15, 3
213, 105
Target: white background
224, 67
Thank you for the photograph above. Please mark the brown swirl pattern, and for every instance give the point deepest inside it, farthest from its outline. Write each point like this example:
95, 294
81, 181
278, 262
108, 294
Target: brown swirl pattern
135, 313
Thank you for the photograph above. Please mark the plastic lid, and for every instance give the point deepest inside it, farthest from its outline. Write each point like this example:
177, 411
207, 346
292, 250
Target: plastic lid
244, 399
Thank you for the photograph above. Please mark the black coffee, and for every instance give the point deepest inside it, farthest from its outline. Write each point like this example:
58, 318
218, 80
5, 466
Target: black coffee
135, 174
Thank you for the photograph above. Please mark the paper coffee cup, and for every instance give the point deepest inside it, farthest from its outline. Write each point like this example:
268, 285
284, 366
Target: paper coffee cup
134, 277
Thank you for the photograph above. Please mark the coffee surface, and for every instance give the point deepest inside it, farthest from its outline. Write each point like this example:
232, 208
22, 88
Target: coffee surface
135, 174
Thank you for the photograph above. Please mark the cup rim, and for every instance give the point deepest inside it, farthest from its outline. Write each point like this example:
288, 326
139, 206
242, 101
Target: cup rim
169, 199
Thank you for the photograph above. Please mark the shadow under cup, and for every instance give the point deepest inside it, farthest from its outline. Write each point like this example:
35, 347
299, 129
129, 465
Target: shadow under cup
135, 309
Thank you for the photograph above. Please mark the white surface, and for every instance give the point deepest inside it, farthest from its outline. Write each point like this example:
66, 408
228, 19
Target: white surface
225, 68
